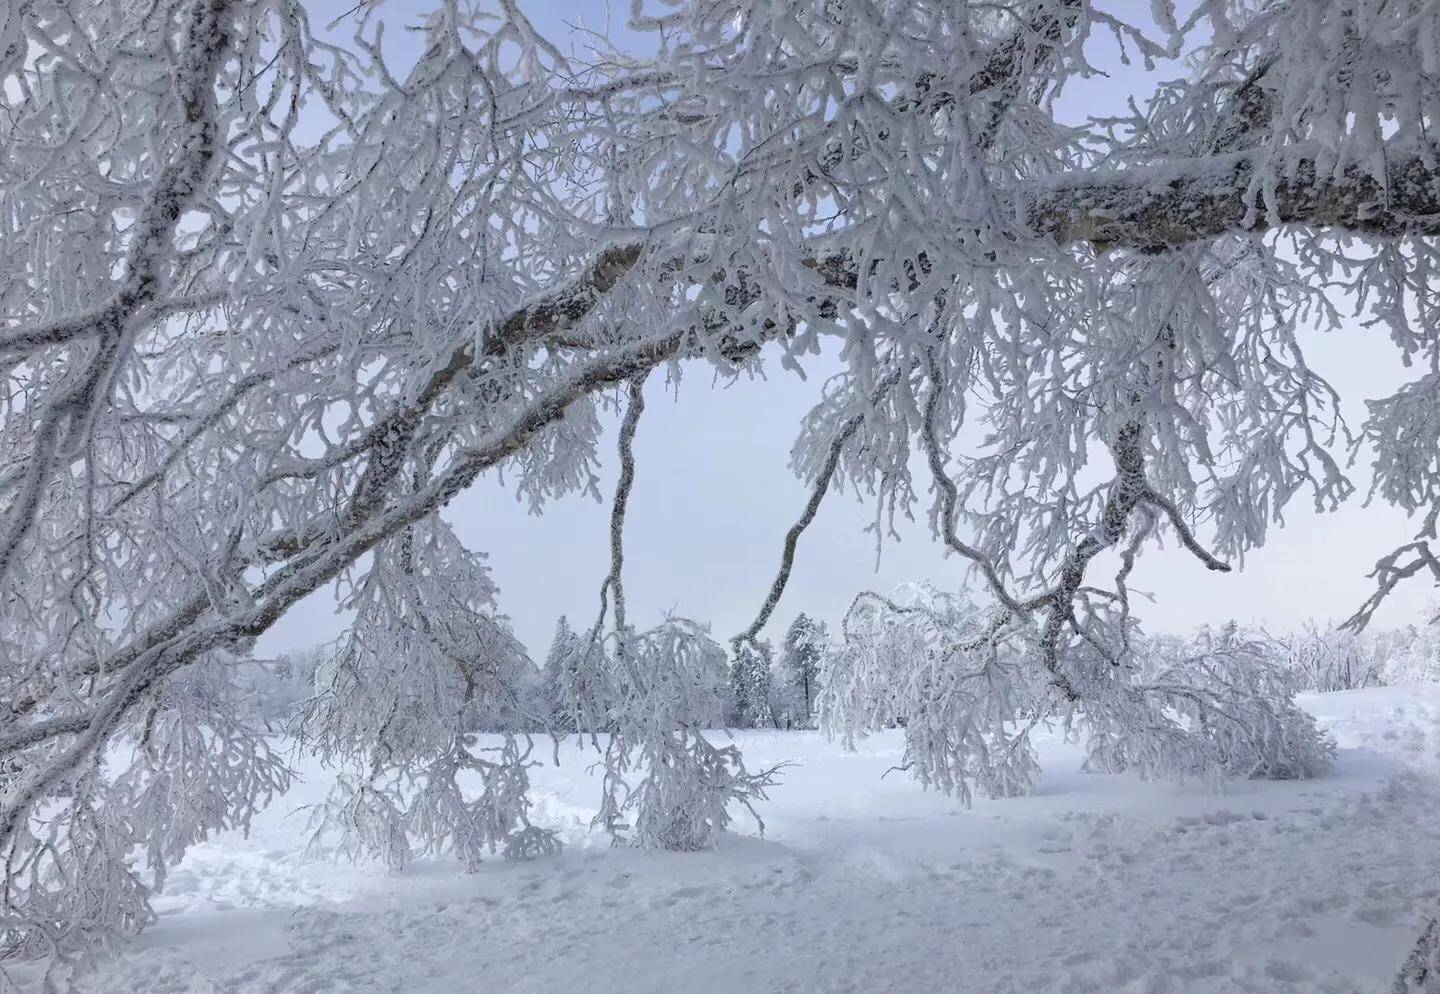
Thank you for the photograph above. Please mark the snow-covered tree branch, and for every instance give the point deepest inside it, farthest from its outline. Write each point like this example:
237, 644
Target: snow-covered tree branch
272, 297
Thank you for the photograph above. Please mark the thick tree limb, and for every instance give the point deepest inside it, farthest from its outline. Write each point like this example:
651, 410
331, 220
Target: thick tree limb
1142, 207
625, 444
1189, 200
95, 723
950, 497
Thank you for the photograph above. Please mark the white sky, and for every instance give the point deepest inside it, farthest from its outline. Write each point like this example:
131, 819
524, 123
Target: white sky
713, 498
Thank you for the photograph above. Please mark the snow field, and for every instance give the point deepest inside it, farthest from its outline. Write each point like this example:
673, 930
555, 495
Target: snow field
862, 882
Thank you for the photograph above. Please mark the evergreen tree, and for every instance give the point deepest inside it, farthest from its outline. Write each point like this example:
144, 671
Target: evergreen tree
562, 654
804, 646
750, 681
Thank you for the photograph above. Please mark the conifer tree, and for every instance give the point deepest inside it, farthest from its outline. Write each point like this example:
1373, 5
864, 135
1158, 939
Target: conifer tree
803, 646
750, 681
562, 654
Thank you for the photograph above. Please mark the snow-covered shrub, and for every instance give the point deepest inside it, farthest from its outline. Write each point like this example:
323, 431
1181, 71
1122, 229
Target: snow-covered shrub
666, 786
1223, 706
425, 664
1335, 659
967, 704
1415, 657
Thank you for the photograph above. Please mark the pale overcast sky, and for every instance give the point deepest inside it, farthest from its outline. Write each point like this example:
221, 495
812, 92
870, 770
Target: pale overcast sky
714, 496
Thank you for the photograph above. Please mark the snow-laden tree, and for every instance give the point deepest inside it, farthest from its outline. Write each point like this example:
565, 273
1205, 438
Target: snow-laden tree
1415, 653
1221, 707
751, 685
270, 300
804, 646
1328, 659
966, 700
968, 697
564, 653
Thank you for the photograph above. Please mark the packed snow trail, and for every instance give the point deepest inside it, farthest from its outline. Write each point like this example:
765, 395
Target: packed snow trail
864, 883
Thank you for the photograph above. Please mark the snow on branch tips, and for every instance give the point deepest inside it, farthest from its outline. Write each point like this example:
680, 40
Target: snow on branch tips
398, 699
965, 700
969, 693
1223, 707
666, 785
653, 693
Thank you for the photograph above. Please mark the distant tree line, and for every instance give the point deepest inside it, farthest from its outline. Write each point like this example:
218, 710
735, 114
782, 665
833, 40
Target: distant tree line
763, 688
758, 689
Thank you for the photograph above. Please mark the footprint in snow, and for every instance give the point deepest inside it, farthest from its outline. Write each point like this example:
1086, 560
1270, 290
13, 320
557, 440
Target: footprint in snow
676, 896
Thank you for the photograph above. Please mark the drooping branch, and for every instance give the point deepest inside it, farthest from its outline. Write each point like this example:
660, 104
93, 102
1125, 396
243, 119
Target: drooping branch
950, 496
1127, 566
626, 446
1390, 571
1129, 491
1187, 537
1126, 493
818, 489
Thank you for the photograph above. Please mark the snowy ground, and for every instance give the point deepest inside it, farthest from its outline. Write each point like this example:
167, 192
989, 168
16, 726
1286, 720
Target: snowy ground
1096, 883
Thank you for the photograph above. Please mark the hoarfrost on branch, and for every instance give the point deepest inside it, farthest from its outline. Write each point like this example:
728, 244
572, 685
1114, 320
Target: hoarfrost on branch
268, 302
